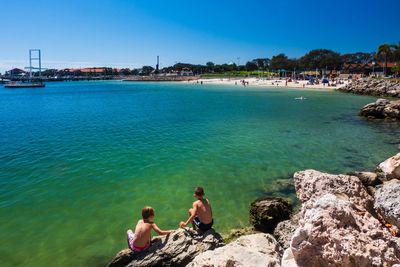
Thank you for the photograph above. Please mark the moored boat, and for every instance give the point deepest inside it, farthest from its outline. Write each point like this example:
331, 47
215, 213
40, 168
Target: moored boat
24, 85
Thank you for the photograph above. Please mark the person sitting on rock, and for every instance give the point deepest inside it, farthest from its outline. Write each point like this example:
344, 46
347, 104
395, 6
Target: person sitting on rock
141, 239
201, 214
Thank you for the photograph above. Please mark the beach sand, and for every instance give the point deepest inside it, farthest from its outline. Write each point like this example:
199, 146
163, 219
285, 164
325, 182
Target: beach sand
254, 82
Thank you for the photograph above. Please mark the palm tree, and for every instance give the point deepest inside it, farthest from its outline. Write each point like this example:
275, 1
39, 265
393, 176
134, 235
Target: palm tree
385, 50
396, 52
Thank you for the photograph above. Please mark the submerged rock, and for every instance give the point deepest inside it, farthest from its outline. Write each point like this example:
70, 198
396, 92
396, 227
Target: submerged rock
391, 167
176, 249
382, 109
335, 230
267, 212
279, 187
387, 202
236, 233
251, 251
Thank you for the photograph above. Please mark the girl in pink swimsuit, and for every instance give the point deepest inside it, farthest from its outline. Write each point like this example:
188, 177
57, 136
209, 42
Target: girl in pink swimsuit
131, 242
141, 239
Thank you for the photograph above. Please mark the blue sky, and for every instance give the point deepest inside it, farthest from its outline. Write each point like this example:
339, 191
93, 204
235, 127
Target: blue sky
132, 33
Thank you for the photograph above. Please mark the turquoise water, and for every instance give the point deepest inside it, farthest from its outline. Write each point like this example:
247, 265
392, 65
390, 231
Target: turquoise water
80, 159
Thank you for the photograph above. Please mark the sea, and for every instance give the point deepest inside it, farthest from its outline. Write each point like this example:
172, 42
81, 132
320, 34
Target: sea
79, 160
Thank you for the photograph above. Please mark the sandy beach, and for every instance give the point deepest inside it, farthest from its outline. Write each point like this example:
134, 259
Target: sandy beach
268, 83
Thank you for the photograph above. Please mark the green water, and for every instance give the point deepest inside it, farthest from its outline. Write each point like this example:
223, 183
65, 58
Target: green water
79, 160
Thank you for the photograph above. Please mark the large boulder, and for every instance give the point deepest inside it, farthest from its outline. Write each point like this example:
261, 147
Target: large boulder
334, 230
381, 109
254, 250
312, 184
285, 230
176, 249
267, 212
391, 167
374, 110
387, 202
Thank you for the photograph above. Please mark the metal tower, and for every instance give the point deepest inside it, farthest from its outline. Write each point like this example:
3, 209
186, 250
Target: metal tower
35, 56
158, 64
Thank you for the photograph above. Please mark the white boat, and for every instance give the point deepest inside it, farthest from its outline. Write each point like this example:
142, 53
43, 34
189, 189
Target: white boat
4, 81
14, 85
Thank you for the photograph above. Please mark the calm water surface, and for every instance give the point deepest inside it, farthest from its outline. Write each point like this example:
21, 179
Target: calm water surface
79, 160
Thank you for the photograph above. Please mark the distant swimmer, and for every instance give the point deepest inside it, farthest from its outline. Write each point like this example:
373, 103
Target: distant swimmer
300, 98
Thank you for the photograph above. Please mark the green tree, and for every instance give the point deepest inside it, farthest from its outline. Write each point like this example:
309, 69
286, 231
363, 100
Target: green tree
359, 57
251, 66
134, 72
396, 52
49, 73
210, 65
262, 63
180, 66
280, 61
146, 70
385, 50
320, 58
396, 68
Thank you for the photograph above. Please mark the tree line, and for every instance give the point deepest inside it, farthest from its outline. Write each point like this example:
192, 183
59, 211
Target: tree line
314, 59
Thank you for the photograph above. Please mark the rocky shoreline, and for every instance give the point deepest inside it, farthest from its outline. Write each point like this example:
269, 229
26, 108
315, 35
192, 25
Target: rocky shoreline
345, 220
373, 87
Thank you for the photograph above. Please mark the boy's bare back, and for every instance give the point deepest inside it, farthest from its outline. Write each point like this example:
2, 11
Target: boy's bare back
203, 210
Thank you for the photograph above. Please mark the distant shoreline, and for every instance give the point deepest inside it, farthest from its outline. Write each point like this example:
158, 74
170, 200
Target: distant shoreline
237, 82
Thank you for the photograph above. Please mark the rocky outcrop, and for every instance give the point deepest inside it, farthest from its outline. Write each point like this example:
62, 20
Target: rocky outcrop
390, 168
267, 212
373, 87
285, 230
251, 251
312, 184
334, 229
382, 109
176, 249
387, 202
338, 225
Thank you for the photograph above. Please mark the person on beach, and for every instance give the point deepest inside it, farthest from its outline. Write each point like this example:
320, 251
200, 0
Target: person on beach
141, 239
200, 215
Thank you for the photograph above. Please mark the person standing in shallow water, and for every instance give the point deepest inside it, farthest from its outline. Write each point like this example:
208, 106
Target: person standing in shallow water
200, 215
141, 239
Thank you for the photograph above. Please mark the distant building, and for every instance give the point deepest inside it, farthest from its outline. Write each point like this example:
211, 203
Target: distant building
15, 72
186, 72
88, 71
367, 68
